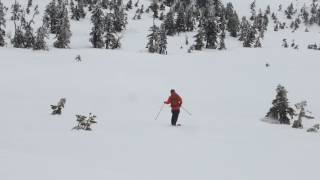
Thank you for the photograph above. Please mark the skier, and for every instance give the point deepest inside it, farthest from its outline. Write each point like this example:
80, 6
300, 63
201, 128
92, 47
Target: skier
175, 101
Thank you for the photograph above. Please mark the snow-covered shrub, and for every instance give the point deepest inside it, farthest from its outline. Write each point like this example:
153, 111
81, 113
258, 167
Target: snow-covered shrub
314, 128
78, 58
314, 46
302, 114
57, 109
84, 122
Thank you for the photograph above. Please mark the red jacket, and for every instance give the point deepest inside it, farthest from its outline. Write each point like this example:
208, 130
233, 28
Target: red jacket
175, 100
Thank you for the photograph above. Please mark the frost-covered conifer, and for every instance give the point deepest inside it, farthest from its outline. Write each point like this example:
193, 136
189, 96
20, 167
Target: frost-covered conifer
162, 40
2, 25
97, 31
281, 110
153, 39
64, 34
39, 42
199, 41
169, 23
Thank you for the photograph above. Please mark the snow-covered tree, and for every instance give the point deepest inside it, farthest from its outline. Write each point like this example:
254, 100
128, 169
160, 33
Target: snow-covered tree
29, 5
120, 18
155, 9
77, 11
169, 23
303, 113
39, 41
190, 21
2, 25
64, 34
253, 10
211, 30
199, 41
244, 28
97, 30
162, 40
305, 14
129, 5
257, 43
250, 38
285, 43
51, 16
112, 41
180, 24
290, 11
153, 39
233, 24
281, 110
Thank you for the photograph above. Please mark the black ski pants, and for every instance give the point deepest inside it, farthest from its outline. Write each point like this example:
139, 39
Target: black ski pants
174, 118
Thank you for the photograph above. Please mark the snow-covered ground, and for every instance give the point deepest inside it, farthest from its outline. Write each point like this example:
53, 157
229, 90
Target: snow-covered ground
228, 92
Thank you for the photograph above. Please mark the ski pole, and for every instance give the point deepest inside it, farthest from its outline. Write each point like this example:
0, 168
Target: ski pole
159, 111
186, 110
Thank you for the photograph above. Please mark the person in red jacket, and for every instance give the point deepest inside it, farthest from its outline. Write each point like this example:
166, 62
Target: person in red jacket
175, 101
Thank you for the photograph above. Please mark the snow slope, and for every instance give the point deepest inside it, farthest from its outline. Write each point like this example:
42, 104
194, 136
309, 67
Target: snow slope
228, 92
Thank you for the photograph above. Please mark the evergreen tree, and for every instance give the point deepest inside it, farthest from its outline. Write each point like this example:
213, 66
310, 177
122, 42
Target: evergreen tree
244, 28
129, 5
233, 25
153, 39
168, 2
136, 4
258, 44
2, 25
39, 42
29, 5
162, 7
51, 16
16, 11
285, 43
250, 37
218, 8
162, 40
64, 34
211, 29
313, 11
281, 109
28, 36
229, 11
97, 30
180, 24
120, 19
199, 42
78, 12
305, 14
222, 44
253, 10
268, 10
112, 41
190, 22
161, 17
155, 7
18, 39
109, 23
169, 23
290, 11
318, 17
